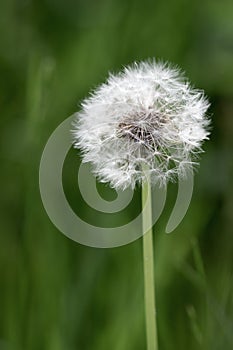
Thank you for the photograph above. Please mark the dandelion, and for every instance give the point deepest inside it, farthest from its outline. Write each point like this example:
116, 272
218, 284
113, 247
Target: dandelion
148, 115
145, 125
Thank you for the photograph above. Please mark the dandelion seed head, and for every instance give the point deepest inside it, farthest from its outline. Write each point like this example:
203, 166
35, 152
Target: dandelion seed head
146, 115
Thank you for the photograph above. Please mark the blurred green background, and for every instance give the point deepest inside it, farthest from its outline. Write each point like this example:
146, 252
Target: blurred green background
54, 293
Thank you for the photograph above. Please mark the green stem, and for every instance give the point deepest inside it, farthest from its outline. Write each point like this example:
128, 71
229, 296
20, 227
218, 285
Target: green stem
148, 260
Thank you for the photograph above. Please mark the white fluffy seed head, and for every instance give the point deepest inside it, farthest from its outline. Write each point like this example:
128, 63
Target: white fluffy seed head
146, 116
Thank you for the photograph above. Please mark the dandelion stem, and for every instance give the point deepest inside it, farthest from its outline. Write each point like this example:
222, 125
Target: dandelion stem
148, 261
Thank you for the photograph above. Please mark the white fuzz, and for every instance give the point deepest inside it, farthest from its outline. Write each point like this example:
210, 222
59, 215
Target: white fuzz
146, 115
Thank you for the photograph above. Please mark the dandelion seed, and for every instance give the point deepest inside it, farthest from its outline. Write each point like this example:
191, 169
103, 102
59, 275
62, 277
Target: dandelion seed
146, 124
146, 115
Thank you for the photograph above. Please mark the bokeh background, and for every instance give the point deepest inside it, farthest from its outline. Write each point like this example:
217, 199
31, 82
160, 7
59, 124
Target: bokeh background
54, 293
